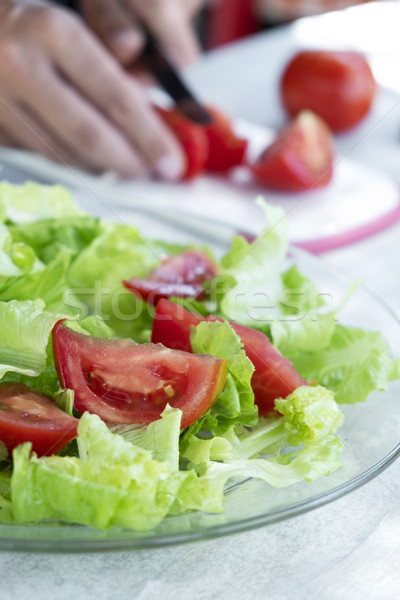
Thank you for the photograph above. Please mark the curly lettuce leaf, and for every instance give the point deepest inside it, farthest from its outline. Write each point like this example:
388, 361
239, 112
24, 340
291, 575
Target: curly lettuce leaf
49, 284
113, 483
236, 403
310, 416
15, 258
161, 437
96, 276
300, 294
24, 334
32, 202
256, 269
309, 332
354, 364
50, 237
302, 445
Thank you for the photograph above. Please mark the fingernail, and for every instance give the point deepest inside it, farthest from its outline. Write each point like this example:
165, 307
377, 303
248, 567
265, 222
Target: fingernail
126, 43
170, 167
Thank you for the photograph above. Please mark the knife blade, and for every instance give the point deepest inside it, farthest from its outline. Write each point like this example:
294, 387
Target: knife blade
169, 79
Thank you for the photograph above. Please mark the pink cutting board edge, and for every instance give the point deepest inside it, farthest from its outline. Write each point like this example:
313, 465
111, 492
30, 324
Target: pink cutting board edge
352, 236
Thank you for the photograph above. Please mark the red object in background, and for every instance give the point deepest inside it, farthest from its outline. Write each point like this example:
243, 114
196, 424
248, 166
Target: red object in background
336, 85
214, 147
226, 149
229, 20
191, 137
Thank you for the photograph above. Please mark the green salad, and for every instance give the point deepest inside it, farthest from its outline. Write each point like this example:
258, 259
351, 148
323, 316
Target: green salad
139, 378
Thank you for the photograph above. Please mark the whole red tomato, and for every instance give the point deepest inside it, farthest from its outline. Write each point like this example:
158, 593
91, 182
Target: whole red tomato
338, 86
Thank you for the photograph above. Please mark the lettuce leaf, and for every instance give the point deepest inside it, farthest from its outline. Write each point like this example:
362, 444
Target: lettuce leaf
309, 424
96, 276
113, 483
160, 437
49, 284
256, 269
15, 259
24, 334
310, 416
50, 237
354, 364
34, 202
300, 294
310, 332
236, 403
116, 483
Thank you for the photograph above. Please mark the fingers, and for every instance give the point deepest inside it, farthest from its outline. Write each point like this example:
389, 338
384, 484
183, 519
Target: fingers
170, 22
79, 93
121, 100
81, 128
115, 26
19, 129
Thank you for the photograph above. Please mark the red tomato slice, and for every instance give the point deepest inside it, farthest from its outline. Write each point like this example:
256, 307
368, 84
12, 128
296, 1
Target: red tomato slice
300, 158
190, 266
338, 86
125, 382
274, 375
192, 138
181, 275
30, 416
226, 149
153, 291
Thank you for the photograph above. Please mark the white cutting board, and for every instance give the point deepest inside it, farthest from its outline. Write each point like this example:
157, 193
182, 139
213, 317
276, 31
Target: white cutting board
358, 202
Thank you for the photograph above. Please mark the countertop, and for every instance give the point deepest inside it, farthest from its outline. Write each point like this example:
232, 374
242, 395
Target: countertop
349, 548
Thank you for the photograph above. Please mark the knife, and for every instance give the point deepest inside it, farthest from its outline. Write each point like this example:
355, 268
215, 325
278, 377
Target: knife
169, 79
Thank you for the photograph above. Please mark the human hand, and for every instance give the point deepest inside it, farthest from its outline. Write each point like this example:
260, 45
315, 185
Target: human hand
117, 23
64, 95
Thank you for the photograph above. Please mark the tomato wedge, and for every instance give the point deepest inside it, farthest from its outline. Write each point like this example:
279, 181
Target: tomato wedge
125, 382
274, 375
226, 149
300, 158
181, 275
212, 147
30, 416
191, 137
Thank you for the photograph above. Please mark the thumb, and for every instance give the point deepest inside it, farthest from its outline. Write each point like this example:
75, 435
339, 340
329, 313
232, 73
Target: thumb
116, 28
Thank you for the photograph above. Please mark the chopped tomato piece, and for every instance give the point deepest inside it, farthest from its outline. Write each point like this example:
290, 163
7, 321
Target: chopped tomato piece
190, 266
181, 275
213, 147
152, 291
192, 139
125, 382
30, 416
274, 375
336, 85
226, 149
300, 158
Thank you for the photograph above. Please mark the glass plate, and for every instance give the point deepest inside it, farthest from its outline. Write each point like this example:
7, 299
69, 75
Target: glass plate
370, 435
